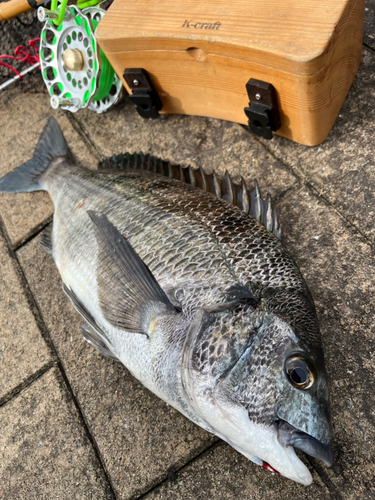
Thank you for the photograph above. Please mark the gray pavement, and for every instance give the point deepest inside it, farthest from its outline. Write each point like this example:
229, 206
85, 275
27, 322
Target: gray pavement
76, 425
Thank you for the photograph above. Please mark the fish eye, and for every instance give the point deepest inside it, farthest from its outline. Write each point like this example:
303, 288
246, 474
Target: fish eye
299, 371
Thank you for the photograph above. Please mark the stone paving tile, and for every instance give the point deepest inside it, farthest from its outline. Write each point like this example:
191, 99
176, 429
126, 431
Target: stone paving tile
340, 271
44, 451
139, 437
369, 34
342, 168
224, 474
23, 350
188, 140
23, 118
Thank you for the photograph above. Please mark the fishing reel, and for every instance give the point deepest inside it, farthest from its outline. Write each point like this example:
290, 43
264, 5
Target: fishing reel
74, 68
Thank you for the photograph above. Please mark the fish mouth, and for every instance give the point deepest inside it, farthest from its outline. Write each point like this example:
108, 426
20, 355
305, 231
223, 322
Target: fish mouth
280, 460
292, 439
290, 436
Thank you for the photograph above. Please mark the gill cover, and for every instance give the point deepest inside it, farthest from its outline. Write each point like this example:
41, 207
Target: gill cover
217, 337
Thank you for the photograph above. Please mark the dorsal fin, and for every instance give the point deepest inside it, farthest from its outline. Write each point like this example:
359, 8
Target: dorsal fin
250, 202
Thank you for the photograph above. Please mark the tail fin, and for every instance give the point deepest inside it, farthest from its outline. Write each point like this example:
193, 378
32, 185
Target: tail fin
51, 146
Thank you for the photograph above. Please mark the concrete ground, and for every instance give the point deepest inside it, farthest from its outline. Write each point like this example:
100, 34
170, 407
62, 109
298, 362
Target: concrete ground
76, 425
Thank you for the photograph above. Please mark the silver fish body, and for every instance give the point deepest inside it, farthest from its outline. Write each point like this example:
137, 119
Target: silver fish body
196, 298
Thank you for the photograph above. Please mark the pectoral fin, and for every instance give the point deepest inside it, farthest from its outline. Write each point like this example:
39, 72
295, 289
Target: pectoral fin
129, 296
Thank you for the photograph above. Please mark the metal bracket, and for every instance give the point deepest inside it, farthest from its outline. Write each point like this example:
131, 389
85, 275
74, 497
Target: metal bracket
144, 95
42, 3
263, 112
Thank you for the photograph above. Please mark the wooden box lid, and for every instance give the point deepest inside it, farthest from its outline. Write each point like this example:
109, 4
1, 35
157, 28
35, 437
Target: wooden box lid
200, 55
296, 36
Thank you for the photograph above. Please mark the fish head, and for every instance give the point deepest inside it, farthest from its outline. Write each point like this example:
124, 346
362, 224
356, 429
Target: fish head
259, 386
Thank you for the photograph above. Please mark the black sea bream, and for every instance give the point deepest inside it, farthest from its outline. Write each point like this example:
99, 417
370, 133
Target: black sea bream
194, 296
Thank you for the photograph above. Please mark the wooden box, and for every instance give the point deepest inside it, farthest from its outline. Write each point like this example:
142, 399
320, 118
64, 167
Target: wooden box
200, 55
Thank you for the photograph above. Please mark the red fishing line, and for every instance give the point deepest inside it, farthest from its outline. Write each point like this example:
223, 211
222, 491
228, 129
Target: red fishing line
22, 54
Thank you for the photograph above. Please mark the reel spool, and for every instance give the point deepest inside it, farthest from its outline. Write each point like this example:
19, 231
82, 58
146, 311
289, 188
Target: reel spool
74, 68
95, 15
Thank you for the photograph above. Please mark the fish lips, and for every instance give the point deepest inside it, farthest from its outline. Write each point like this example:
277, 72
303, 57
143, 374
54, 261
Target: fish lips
290, 436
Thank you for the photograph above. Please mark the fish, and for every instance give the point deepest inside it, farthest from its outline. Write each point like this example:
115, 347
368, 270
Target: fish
182, 276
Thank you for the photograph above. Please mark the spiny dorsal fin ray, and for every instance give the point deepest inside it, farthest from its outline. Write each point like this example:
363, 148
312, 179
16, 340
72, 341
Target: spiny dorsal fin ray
217, 184
250, 202
230, 189
129, 296
243, 197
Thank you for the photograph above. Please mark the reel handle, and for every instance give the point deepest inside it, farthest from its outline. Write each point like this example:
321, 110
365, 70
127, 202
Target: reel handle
14, 8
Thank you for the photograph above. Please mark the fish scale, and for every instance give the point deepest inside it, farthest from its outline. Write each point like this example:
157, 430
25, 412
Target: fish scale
177, 274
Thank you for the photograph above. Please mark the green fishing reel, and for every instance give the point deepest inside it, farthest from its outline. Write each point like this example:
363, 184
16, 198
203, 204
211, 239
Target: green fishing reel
75, 70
